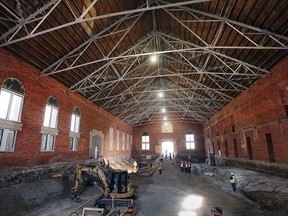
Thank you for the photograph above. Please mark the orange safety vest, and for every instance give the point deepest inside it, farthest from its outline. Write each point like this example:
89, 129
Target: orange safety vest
129, 211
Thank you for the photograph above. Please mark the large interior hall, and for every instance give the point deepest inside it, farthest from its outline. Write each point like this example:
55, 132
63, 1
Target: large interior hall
144, 107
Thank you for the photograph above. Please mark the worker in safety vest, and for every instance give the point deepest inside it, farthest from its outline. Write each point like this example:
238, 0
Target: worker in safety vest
182, 167
232, 180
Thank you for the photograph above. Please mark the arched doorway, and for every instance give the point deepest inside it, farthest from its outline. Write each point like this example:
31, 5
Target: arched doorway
96, 144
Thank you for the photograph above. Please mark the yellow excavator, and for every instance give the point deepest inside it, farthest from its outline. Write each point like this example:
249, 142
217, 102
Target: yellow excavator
145, 169
115, 186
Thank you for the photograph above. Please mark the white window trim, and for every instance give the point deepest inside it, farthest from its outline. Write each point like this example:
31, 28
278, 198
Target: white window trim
190, 142
4, 140
11, 125
47, 130
74, 134
49, 136
111, 137
74, 137
21, 106
145, 143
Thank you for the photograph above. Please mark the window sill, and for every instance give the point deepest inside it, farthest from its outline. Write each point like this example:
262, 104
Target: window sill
51, 131
11, 125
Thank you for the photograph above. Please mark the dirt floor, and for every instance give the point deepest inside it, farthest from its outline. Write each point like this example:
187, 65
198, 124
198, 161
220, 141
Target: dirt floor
170, 194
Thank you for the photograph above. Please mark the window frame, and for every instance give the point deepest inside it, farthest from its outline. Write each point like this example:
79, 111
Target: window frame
123, 139
111, 137
8, 123
145, 144
74, 133
118, 139
49, 132
190, 143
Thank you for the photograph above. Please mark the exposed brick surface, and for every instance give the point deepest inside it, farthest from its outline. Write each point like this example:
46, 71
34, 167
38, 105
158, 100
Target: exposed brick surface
37, 91
254, 113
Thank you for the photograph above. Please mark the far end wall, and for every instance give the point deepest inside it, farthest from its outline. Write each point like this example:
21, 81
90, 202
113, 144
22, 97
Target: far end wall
177, 136
254, 126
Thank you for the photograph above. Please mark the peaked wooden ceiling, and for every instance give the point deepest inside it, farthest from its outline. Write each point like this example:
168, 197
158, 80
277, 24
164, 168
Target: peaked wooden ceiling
208, 51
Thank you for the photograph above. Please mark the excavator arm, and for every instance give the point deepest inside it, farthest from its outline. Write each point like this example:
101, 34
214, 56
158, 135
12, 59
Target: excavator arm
119, 187
79, 172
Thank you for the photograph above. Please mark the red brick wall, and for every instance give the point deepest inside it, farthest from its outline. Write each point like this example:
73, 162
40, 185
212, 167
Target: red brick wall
37, 91
258, 111
179, 131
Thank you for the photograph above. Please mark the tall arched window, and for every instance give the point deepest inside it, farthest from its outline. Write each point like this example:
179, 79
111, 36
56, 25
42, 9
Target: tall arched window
118, 139
49, 130
11, 102
111, 137
285, 100
127, 140
74, 129
145, 141
123, 139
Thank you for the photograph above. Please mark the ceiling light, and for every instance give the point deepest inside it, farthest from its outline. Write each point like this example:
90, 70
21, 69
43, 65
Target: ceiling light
160, 94
154, 58
165, 118
163, 110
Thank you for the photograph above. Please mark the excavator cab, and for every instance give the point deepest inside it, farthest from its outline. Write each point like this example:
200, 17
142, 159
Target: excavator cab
119, 181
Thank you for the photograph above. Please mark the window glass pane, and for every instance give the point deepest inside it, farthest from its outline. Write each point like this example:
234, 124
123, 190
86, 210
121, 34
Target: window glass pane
111, 138
51, 141
53, 101
53, 123
143, 146
1, 136
44, 142
72, 127
77, 124
143, 138
71, 143
187, 145
147, 138
117, 138
14, 85
47, 116
147, 146
15, 108
4, 101
10, 140
75, 144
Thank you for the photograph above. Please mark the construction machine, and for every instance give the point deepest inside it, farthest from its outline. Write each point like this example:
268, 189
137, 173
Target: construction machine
115, 185
145, 169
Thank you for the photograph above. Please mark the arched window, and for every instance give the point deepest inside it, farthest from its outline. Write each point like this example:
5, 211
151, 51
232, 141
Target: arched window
145, 141
74, 129
123, 139
190, 140
118, 139
111, 137
285, 100
49, 130
11, 102
127, 140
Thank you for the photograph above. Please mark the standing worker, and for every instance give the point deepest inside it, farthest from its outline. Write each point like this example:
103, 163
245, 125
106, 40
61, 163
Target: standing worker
182, 167
232, 180
160, 168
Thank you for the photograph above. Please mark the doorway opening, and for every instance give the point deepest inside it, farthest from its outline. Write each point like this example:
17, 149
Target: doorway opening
167, 148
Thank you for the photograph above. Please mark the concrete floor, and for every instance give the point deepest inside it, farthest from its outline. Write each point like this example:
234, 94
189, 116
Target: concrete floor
181, 194
170, 194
